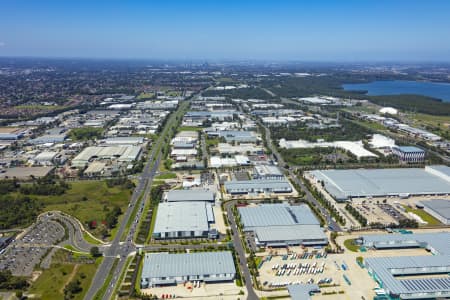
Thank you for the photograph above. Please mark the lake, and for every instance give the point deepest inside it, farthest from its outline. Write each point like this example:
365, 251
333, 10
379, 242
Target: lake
396, 87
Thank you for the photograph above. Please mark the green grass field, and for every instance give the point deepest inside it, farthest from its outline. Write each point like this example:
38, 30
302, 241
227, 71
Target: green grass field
146, 96
189, 128
51, 283
166, 176
350, 245
88, 200
424, 215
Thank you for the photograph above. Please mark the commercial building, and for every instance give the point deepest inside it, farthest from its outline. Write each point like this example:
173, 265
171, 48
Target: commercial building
280, 225
438, 208
184, 220
189, 195
409, 154
169, 269
235, 187
347, 184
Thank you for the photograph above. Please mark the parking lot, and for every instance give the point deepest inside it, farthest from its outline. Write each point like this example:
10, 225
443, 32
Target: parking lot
27, 251
379, 212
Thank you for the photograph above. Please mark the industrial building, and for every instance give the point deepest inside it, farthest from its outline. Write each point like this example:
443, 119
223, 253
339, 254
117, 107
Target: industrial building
120, 153
387, 271
184, 220
302, 291
225, 148
128, 140
51, 136
235, 187
438, 208
279, 225
169, 269
12, 133
347, 184
411, 277
437, 243
267, 172
409, 154
235, 136
237, 160
189, 195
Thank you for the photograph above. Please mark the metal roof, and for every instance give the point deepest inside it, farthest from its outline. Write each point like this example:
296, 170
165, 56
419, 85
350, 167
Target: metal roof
409, 149
276, 215
386, 268
181, 216
258, 185
302, 291
439, 206
267, 170
190, 195
438, 241
290, 233
157, 265
342, 184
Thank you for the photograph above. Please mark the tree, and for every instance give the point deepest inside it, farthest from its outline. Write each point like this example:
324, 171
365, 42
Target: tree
95, 251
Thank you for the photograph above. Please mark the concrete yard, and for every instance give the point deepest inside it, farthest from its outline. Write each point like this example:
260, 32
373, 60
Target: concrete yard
205, 291
362, 285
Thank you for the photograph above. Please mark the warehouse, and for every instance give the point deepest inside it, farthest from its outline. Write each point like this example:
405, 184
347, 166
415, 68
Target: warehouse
302, 291
347, 184
190, 195
121, 153
416, 284
225, 148
438, 208
267, 172
129, 140
46, 157
184, 220
409, 154
436, 243
279, 225
237, 160
235, 187
169, 269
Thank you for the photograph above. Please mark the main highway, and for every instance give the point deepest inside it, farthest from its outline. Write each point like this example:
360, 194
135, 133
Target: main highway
120, 250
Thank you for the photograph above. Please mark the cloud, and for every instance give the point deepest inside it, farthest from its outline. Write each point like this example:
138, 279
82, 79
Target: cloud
2, 44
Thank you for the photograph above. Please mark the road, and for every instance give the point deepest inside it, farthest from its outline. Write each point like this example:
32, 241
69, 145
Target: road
119, 249
240, 250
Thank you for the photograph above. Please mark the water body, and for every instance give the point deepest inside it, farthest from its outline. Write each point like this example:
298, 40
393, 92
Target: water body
397, 87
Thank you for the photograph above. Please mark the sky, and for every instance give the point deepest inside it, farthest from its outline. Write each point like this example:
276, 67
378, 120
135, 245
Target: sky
319, 30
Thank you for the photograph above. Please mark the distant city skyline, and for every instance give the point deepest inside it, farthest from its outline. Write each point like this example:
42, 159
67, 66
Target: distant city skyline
228, 30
